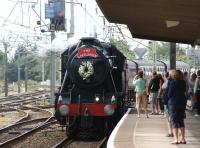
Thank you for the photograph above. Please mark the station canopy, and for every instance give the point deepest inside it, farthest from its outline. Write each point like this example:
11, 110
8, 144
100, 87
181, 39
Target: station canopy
164, 20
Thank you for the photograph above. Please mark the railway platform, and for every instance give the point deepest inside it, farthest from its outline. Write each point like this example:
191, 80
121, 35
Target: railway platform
133, 132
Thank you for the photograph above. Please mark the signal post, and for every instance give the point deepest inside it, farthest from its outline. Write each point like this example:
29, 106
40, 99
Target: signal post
55, 11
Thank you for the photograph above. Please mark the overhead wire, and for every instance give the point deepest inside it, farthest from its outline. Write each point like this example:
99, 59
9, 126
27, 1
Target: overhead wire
121, 32
39, 17
91, 16
123, 35
9, 14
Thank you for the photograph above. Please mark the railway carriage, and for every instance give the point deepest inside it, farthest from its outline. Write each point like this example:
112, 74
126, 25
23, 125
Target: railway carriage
179, 65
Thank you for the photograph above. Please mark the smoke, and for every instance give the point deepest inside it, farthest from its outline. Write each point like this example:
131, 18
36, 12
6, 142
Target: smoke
60, 42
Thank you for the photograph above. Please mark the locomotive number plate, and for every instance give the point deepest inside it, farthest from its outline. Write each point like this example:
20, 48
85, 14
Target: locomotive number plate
84, 52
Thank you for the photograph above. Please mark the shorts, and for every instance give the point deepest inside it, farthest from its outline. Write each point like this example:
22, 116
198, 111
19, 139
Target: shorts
141, 100
153, 97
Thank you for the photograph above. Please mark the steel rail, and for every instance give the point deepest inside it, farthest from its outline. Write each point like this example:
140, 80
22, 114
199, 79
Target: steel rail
10, 142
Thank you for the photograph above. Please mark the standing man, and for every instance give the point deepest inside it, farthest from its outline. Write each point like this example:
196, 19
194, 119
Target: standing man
140, 88
153, 88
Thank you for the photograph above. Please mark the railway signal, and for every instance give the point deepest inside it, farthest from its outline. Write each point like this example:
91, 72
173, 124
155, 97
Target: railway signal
55, 11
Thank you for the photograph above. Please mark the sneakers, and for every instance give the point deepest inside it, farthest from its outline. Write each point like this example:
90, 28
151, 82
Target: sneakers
196, 115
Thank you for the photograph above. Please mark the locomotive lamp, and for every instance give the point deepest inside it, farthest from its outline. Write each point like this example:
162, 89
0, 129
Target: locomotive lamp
64, 110
97, 99
60, 99
109, 110
113, 99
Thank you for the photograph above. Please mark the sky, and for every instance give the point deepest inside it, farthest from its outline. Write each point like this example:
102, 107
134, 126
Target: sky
18, 24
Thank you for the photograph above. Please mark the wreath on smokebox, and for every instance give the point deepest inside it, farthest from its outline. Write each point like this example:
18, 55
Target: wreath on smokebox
86, 69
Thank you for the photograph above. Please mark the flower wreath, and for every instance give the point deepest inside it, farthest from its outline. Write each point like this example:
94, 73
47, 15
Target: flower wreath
86, 70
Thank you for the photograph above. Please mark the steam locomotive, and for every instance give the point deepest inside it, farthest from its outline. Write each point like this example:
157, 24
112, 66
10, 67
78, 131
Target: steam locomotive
93, 88
96, 86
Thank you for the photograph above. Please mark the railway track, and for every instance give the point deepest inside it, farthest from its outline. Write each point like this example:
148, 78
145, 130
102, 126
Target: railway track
15, 132
25, 113
12, 134
26, 100
20, 98
19, 128
74, 142
64, 143
12, 115
36, 112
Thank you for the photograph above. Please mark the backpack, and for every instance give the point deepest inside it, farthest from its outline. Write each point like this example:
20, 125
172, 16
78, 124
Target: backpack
155, 86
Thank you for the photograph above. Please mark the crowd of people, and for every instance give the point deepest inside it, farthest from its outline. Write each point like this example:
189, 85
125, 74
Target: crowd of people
168, 95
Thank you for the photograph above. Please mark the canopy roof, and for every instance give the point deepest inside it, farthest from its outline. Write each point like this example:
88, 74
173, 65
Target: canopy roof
164, 20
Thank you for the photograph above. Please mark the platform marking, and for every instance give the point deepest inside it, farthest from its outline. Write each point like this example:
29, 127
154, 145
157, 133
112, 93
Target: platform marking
113, 134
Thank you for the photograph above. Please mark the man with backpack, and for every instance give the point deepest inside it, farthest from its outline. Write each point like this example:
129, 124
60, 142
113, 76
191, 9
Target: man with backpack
153, 88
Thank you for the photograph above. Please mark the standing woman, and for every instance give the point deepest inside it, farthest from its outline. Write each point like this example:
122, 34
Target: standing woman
177, 105
140, 89
191, 90
160, 92
165, 88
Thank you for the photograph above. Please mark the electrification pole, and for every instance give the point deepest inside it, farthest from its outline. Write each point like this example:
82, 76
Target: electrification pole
5, 69
18, 74
53, 71
154, 55
57, 23
26, 78
71, 30
85, 20
42, 71
172, 55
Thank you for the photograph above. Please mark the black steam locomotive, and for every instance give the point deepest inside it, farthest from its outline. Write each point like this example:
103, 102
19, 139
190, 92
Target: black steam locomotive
93, 87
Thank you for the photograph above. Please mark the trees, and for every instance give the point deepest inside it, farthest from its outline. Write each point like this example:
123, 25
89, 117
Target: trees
25, 57
123, 47
163, 51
